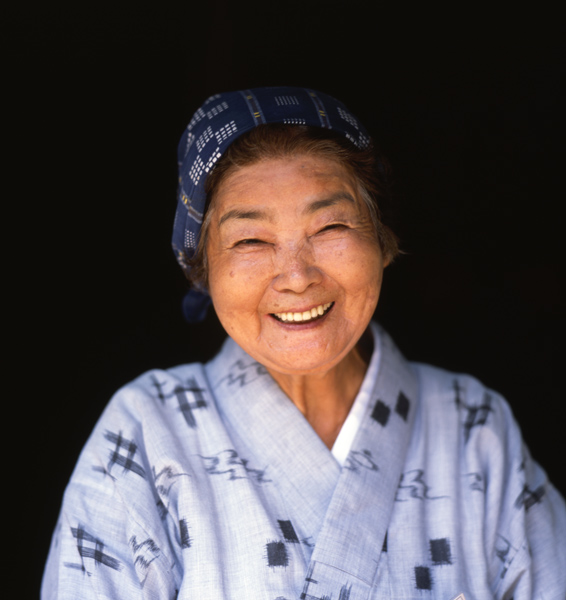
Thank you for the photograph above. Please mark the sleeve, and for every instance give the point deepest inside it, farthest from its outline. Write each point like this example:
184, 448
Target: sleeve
525, 528
111, 541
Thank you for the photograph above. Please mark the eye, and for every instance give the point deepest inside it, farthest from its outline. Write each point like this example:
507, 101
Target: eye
333, 226
249, 242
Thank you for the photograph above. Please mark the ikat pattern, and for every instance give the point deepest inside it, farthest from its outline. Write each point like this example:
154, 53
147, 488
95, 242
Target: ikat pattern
277, 552
358, 460
382, 411
476, 415
123, 454
423, 578
402, 406
92, 553
440, 555
242, 374
440, 552
288, 531
184, 534
144, 552
175, 487
286, 100
529, 497
229, 463
475, 481
179, 392
505, 552
413, 487
165, 481
226, 132
311, 593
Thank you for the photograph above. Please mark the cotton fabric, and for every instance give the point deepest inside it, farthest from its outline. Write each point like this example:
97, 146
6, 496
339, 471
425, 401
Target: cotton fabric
205, 481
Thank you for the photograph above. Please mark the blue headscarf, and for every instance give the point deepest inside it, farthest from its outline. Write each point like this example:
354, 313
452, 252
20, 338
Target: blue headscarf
214, 126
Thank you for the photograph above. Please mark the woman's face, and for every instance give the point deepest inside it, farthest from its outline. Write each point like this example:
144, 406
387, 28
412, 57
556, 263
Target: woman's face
289, 238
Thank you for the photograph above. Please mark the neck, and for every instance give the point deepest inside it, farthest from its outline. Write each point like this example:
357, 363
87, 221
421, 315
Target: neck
325, 399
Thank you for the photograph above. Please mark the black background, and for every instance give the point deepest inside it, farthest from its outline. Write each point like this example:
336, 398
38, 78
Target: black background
465, 101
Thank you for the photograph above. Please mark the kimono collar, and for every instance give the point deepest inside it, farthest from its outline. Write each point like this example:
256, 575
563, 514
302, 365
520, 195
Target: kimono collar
344, 510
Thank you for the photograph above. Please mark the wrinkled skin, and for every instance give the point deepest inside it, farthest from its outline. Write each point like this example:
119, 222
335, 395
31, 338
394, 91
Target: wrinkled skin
289, 235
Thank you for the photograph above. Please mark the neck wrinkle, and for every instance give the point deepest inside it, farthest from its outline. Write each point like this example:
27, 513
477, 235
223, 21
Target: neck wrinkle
326, 399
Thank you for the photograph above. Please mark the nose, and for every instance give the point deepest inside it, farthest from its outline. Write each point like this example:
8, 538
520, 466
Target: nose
296, 268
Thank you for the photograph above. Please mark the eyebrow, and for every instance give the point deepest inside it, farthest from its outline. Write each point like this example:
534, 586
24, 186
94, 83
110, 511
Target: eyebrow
237, 213
330, 201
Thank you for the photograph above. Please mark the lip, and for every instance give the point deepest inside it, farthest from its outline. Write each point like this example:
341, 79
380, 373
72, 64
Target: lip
312, 321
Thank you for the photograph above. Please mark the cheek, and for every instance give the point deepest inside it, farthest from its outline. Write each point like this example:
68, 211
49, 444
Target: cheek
238, 282
356, 264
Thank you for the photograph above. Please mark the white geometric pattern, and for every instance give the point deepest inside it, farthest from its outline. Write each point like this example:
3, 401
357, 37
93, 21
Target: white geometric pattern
226, 131
348, 117
286, 100
216, 110
212, 160
190, 140
196, 170
190, 239
204, 137
351, 138
363, 140
198, 116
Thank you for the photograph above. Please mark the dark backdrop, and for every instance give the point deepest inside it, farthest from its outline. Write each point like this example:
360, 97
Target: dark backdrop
465, 101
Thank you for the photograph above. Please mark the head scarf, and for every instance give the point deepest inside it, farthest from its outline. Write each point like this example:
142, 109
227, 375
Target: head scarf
214, 126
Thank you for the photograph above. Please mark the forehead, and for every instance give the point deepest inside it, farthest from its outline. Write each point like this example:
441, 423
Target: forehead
293, 179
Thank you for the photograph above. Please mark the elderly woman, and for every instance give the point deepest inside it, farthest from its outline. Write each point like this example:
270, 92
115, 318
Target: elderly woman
308, 459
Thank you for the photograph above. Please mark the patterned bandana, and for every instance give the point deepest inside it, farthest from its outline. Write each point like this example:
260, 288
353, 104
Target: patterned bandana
214, 126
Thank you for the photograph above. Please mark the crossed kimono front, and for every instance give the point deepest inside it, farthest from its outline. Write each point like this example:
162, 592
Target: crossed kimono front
206, 481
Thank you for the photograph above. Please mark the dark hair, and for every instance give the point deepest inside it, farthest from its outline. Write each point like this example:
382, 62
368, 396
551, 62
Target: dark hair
370, 170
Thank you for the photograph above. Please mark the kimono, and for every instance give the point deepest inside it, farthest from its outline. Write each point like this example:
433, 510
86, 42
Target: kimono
206, 481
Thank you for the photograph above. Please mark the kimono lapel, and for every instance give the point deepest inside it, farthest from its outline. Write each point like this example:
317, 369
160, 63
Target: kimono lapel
344, 513
345, 559
266, 425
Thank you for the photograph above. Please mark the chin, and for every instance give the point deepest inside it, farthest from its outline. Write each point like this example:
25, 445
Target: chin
299, 364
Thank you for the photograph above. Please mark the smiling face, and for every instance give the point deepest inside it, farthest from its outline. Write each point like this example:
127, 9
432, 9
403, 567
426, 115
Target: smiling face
295, 268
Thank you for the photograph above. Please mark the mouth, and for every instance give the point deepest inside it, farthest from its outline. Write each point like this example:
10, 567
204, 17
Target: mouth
304, 317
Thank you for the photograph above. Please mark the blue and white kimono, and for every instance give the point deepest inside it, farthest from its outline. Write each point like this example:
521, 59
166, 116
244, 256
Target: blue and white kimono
205, 481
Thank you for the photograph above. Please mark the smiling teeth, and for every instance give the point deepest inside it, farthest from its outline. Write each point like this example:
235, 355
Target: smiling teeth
307, 315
